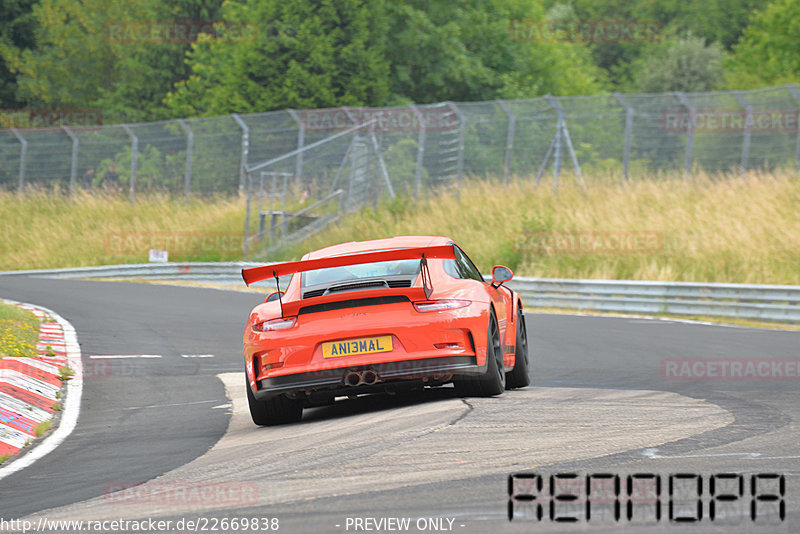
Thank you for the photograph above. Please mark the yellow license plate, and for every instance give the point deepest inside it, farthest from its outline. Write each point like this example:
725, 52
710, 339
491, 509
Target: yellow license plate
354, 347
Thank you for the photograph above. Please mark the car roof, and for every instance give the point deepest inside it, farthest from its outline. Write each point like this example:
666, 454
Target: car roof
405, 241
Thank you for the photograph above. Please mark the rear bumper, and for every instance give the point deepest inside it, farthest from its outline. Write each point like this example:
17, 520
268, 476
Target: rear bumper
331, 381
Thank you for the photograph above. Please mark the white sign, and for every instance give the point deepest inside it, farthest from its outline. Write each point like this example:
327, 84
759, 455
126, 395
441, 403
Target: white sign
159, 256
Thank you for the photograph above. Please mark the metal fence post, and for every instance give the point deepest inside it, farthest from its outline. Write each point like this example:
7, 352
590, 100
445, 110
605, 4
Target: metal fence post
246, 241
376, 149
134, 154
462, 134
301, 141
748, 118
23, 158
187, 179
559, 132
512, 127
687, 162
626, 151
793, 90
381, 165
73, 169
245, 150
420, 150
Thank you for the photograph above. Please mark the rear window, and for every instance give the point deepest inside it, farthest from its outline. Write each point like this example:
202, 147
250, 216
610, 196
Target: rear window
349, 273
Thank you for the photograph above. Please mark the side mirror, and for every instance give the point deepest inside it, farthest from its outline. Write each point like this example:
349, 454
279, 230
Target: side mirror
501, 274
275, 295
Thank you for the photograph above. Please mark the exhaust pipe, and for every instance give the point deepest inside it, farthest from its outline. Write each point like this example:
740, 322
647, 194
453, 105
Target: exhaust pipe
353, 378
356, 378
370, 377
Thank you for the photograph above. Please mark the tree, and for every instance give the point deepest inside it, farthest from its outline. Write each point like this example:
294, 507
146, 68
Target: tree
80, 62
16, 29
468, 51
311, 54
72, 61
720, 21
146, 72
687, 65
769, 51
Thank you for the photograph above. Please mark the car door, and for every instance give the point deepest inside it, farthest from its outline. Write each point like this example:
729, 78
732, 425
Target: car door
499, 295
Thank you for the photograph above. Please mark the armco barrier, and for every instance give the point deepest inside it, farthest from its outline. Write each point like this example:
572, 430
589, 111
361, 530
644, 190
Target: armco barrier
762, 302
228, 273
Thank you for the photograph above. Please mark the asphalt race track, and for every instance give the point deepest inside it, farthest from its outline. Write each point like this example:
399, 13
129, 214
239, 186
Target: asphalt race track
601, 403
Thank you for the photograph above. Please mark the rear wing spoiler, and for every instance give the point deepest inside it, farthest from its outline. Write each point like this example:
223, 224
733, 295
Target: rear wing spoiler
256, 274
275, 270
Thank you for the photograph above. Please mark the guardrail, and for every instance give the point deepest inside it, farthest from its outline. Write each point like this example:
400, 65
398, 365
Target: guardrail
760, 302
228, 273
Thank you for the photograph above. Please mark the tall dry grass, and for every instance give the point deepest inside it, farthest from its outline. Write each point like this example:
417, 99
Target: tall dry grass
46, 229
713, 228
719, 228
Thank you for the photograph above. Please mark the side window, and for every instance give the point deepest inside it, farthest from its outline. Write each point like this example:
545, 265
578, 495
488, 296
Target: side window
450, 267
462, 267
467, 265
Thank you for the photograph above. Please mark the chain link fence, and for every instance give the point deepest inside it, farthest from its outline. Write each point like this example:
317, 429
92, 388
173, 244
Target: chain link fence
425, 147
302, 168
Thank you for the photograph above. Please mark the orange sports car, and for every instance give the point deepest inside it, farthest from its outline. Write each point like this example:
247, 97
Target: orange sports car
380, 316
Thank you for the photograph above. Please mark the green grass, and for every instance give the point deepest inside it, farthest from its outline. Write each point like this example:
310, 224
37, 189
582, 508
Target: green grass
715, 228
711, 229
42, 428
19, 331
47, 229
65, 373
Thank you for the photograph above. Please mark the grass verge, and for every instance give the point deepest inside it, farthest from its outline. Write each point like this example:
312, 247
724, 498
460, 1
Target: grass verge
731, 321
19, 331
42, 428
737, 229
46, 229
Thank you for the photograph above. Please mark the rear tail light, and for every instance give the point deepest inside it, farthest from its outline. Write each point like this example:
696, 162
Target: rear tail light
275, 324
439, 305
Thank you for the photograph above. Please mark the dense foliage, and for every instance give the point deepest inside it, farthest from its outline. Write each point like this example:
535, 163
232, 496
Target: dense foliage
152, 59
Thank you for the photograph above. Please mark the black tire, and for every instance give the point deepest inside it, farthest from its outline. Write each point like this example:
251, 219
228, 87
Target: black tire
275, 411
519, 377
493, 381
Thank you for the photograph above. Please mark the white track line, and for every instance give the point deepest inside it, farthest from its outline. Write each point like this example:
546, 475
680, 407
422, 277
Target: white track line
197, 355
72, 404
122, 356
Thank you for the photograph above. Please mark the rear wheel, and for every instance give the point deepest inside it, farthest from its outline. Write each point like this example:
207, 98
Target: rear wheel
275, 411
519, 377
493, 381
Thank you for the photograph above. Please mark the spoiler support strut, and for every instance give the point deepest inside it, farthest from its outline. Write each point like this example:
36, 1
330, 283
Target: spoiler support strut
278, 289
427, 284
